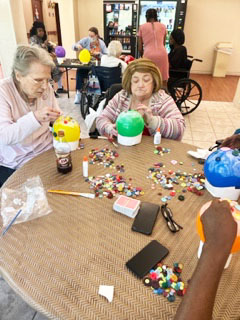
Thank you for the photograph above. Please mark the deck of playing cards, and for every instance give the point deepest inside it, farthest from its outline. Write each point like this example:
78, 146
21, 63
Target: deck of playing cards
127, 206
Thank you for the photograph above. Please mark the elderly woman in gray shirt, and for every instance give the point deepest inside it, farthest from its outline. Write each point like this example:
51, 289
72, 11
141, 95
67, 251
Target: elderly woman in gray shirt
97, 47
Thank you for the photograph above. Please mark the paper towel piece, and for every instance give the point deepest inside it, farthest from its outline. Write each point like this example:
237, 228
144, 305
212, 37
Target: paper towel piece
106, 291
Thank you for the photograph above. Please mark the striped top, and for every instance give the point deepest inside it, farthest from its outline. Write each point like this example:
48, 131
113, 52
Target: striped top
166, 115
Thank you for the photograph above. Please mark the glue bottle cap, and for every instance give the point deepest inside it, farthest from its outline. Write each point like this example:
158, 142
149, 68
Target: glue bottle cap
85, 158
158, 129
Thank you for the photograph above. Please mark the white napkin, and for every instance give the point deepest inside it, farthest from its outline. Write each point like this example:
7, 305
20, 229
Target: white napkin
106, 291
200, 153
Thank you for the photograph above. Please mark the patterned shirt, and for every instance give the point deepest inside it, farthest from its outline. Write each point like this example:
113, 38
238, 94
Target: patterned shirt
86, 43
37, 41
166, 115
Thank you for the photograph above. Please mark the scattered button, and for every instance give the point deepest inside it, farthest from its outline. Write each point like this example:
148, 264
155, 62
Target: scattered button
181, 198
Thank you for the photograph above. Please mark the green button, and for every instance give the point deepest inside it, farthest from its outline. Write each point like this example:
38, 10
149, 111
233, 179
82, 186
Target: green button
235, 153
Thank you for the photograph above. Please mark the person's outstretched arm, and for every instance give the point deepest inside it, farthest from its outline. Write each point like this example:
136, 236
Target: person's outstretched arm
232, 142
220, 231
140, 46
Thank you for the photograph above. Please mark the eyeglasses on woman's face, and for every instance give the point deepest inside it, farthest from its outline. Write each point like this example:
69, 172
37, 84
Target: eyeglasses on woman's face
40, 82
168, 216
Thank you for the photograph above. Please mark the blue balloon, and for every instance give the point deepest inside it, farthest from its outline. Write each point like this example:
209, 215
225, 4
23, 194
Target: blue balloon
222, 168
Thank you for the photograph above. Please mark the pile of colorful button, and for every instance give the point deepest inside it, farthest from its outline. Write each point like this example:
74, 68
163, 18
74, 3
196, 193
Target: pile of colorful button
111, 184
176, 182
160, 150
166, 281
104, 156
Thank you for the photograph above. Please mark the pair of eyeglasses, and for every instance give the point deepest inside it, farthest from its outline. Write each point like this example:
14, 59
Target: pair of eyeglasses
173, 226
40, 82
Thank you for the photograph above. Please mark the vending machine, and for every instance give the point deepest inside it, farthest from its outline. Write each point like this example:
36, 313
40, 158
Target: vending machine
120, 23
170, 12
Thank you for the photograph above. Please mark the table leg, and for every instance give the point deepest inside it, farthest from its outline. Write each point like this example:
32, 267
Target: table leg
67, 82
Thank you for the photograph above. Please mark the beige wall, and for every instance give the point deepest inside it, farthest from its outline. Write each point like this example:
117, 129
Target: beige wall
90, 14
76, 20
28, 15
66, 12
19, 21
13, 31
209, 22
49, 20
8, 39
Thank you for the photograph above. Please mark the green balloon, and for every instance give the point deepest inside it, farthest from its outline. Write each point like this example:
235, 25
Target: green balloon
130, 123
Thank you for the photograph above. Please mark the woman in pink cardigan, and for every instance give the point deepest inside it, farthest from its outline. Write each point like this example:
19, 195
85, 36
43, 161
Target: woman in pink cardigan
142, 92
27, 105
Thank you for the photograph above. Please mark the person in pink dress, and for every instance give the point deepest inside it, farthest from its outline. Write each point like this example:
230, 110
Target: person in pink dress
151, 43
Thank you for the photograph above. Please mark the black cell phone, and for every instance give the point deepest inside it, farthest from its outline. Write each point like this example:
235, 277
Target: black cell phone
146, 218
147, 258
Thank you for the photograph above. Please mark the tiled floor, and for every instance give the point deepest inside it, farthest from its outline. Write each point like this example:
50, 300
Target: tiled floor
212, 120
12, 307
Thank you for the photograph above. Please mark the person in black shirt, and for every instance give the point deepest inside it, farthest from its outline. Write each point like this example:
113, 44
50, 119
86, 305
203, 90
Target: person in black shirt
178, 54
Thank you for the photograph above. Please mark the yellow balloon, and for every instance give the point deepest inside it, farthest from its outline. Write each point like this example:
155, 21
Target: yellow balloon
70, 127
84, 56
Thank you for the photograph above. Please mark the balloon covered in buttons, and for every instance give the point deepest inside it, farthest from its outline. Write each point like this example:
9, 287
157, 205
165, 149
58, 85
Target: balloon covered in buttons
222, 173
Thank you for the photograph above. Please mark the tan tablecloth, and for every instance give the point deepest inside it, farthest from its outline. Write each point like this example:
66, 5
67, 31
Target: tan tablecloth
56, 263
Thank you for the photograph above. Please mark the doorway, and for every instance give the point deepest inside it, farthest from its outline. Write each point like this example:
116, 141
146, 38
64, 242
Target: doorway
37, 10
59, 35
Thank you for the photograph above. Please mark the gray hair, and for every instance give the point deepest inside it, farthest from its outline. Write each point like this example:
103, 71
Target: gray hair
25, 55
114, 48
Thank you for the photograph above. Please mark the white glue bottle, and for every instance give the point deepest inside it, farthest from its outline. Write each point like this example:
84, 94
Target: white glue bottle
85, 166
157, 137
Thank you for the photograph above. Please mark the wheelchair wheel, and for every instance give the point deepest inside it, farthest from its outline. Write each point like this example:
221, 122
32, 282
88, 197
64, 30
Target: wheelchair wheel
187, 95
85, 104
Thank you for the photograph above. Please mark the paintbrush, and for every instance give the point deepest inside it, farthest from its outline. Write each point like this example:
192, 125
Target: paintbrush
11, 223
105, 138
73, 193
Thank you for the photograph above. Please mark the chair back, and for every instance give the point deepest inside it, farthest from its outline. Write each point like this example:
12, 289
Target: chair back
107, 76
188, 64
110, 93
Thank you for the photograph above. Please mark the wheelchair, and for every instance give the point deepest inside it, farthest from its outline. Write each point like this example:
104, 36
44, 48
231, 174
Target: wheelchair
99, 80
186, 92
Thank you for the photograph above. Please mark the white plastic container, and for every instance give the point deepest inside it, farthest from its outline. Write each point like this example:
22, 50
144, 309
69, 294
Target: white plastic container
157, 137
85, 167
223, 51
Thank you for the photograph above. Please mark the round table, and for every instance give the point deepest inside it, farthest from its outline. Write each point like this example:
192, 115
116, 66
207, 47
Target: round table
56, 263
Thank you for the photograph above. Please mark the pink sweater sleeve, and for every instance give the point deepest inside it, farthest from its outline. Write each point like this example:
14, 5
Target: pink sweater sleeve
109, 115
167, 117
14, 132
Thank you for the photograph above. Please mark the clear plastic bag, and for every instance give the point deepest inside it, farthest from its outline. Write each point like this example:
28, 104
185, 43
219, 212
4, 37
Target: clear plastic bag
30, 198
